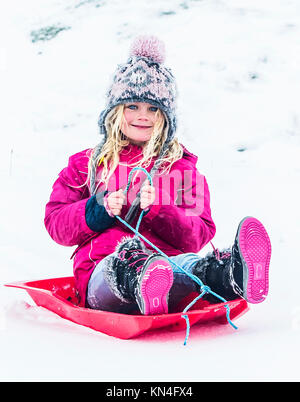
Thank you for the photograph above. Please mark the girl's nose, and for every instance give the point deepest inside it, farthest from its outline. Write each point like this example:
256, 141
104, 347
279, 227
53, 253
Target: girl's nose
143, 114
143, 118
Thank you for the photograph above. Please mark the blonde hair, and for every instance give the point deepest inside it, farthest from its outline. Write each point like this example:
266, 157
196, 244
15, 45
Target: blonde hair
116, 141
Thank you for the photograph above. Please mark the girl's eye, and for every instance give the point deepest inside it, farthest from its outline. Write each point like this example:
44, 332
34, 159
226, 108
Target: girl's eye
135, 107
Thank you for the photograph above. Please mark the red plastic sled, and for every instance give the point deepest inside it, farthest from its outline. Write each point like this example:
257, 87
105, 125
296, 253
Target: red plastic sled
58, 295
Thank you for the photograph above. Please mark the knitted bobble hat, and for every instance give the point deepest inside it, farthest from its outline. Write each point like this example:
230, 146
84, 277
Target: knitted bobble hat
144, 78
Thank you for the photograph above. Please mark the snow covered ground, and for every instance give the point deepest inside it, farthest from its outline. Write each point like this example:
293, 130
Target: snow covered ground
237, 69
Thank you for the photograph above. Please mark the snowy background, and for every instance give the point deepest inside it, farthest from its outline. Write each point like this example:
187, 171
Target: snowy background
237, 68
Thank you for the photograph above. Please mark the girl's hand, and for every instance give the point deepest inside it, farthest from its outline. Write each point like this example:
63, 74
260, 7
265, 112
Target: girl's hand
115, 202
147, 195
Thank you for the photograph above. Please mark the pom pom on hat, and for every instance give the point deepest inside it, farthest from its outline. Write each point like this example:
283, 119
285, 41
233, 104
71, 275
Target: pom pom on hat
149, 47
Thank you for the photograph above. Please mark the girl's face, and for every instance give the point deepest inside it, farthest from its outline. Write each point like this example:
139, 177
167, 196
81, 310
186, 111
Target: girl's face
139, 122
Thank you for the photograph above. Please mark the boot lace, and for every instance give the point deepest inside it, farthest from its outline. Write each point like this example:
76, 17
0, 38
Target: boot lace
220, 257
134, 253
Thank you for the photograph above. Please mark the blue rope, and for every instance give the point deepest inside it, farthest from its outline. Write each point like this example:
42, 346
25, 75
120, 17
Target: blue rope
204, 288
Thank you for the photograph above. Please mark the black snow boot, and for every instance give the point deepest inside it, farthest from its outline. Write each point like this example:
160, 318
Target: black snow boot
242, 271
138, 275
251, 254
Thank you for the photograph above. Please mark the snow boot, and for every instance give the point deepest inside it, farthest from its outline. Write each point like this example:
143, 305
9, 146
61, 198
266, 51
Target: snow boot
243, 271
251, 254
142, 276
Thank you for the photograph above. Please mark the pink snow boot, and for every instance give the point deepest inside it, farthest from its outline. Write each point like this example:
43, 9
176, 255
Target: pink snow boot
251, 254
142, 276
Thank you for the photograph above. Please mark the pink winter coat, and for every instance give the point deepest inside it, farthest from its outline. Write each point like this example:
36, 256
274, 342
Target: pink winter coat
178, 222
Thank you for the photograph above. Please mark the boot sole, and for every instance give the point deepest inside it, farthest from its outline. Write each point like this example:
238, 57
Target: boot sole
154, 286
255, 251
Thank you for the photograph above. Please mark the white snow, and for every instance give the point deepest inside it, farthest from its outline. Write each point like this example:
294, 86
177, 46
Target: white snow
237, 69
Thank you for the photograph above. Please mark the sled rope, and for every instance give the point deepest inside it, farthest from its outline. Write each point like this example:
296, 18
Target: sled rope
204, 289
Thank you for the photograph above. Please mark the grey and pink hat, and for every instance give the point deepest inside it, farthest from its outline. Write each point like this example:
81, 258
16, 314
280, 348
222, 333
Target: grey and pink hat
144, 78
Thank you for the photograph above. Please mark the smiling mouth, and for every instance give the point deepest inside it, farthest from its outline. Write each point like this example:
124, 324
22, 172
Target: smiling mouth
143, 127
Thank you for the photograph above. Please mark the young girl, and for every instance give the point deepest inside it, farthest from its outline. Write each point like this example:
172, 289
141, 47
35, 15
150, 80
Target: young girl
115, 270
